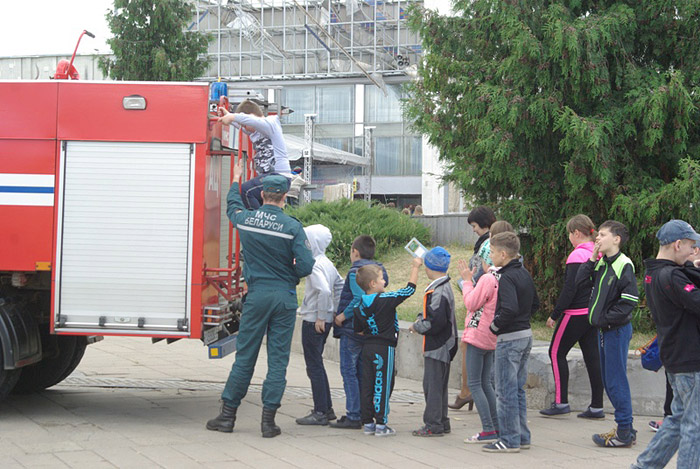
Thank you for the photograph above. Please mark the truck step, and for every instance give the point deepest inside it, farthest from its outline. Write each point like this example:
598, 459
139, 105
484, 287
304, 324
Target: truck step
223, 347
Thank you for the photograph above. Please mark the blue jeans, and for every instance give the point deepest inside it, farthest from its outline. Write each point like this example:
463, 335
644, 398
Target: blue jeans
313, 343
681, 430
350, 350
511, 375
479, 373
614, 347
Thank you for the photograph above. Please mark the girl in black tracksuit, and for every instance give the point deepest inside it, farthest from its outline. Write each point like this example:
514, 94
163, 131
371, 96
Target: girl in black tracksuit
572, 325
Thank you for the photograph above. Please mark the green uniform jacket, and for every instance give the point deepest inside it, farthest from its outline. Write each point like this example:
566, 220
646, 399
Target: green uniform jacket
275, 250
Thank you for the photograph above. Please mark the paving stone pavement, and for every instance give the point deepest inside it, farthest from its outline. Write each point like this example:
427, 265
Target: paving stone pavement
133, 404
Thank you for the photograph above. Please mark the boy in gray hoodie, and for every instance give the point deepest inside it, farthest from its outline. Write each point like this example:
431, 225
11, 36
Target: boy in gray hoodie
321, 295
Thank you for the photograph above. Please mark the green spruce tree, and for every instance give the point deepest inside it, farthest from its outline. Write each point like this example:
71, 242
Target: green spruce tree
544, 109
150, 42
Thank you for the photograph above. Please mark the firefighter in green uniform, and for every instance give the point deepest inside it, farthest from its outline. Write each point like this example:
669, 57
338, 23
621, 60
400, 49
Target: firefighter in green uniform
276, 254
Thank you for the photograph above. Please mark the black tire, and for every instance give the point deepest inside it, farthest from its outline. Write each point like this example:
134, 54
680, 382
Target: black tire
8, 379
80, 347
64, 352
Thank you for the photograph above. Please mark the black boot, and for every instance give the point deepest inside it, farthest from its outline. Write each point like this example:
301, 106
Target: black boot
268, 427
224, 422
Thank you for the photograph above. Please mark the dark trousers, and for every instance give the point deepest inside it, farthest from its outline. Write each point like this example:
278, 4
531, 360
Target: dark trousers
313, 343
436, 374
669, 397
377, 382
569, 330
251, 191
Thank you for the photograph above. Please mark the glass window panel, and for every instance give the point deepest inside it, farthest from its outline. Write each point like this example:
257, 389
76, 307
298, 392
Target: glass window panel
387, 159
380, 108
301, 100
336, 104
414, 156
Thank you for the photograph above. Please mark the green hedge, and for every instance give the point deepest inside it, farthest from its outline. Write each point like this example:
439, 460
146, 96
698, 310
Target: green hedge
348, 219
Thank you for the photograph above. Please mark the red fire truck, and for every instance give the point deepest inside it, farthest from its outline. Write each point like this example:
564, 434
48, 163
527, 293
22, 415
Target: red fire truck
110, 206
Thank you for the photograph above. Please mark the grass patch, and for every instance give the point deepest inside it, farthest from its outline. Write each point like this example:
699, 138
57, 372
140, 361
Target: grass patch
398, 264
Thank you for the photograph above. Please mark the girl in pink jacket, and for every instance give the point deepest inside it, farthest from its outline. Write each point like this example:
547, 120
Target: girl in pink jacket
480, 301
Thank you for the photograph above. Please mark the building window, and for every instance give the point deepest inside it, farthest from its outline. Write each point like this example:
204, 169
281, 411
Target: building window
380, 108
299, 99
336, 104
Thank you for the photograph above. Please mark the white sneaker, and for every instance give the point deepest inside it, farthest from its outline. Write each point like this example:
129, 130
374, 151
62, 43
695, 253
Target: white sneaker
384, 430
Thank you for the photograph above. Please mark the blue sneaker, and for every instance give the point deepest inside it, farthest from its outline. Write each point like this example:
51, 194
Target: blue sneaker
499, 447
369, 429
613, 440
556, 410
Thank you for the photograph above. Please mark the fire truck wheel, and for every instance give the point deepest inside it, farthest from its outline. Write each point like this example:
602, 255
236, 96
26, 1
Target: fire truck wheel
80, 347
66, 352
8, 379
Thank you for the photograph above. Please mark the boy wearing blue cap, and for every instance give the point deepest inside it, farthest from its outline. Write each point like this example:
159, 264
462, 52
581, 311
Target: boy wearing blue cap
438, 326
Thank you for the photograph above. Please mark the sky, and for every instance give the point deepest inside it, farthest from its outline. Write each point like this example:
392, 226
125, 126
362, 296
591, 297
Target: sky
40, 27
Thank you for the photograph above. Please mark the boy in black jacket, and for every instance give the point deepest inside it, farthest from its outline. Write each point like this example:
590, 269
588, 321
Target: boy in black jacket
517, 302
376, 320
674, 301
437, 323
614, 296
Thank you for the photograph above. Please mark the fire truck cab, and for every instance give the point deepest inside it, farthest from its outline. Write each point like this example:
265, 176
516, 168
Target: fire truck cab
110, 201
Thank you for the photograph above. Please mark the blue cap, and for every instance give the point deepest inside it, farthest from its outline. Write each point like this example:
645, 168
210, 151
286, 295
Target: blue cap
275, 183
437, 259
674, 230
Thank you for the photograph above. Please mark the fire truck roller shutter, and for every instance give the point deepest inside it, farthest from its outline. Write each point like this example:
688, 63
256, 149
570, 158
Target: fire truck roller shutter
124, 238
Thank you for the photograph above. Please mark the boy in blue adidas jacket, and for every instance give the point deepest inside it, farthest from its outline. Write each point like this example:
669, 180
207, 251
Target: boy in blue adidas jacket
376, 320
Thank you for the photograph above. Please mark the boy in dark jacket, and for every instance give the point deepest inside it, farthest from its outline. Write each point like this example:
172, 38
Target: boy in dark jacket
361, 253
517, 302
438, 326
674, 301
614, 296
376, 320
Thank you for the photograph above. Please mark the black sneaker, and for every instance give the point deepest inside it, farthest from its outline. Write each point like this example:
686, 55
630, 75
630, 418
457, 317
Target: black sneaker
589, 414
330, 415
425, 431
345, 422
314, 418
556, 410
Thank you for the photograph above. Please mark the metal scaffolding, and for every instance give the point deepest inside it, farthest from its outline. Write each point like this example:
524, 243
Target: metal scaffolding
283, 39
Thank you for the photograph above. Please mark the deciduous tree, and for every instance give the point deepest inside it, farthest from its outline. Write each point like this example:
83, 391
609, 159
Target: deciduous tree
151, 42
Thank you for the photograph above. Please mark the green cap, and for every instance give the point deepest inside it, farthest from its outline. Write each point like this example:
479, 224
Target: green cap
275, 183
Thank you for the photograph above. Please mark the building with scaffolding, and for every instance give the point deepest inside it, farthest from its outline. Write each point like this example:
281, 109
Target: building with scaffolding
343, 60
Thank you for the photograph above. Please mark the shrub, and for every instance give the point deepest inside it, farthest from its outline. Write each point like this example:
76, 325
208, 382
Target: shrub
348, 219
